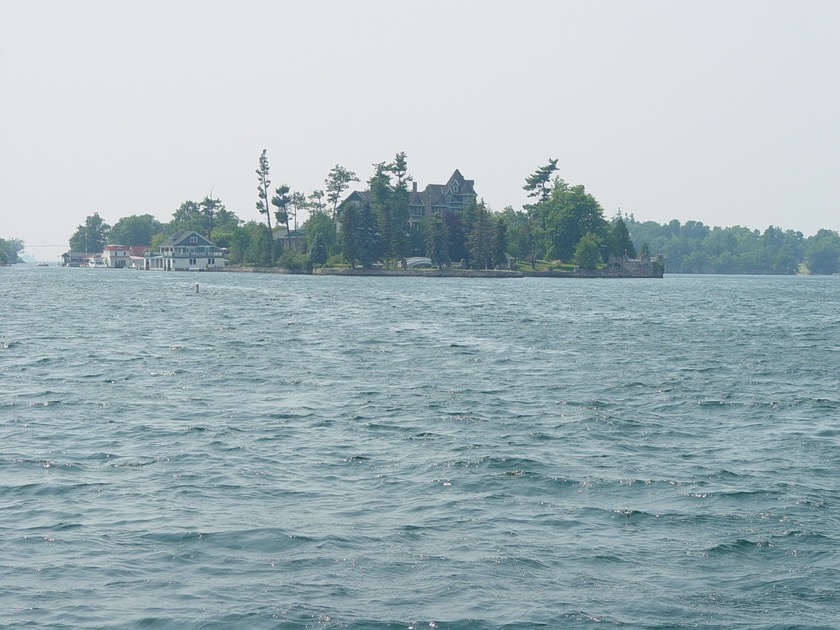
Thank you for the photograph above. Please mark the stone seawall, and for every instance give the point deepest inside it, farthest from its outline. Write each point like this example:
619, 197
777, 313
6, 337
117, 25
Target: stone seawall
420, 273
651, 272
596, 273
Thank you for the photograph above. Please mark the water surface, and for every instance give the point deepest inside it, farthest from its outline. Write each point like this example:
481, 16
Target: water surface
324, 452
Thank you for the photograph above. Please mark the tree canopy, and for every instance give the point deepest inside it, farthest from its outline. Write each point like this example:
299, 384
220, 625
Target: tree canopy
823, 253
10, 251
336, 183
136, 229
693, 247
537, 183
263, 185
92, 236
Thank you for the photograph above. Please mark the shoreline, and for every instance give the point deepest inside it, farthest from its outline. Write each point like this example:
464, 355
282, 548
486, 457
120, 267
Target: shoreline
447, 273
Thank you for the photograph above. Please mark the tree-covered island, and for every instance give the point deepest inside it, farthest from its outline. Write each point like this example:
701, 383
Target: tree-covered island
10, 250
392, 220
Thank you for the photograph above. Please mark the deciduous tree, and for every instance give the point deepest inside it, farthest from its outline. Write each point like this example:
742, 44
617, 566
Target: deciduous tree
136, 229
320, 225
587, 255
823, 255
567, 215
10, 250
92, 236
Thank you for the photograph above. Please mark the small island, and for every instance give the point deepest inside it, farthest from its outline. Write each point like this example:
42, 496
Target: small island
561, 233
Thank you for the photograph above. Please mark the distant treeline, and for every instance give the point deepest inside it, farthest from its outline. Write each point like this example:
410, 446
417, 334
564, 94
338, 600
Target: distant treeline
692, 247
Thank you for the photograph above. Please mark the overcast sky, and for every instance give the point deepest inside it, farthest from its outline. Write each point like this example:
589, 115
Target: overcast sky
726, 112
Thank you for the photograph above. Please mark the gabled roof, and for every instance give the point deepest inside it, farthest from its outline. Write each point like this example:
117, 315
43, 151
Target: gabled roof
357, 195
179, 238
280, 232
465, 186
432, 195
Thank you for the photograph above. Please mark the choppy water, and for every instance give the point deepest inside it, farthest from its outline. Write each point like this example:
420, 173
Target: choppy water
315, 452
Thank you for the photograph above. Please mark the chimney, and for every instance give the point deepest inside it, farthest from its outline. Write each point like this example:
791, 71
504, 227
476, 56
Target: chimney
413, 186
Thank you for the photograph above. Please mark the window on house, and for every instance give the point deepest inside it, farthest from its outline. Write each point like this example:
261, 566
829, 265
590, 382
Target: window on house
193, 239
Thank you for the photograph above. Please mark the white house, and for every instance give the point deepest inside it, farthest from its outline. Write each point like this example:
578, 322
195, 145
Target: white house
186, 251
116, 256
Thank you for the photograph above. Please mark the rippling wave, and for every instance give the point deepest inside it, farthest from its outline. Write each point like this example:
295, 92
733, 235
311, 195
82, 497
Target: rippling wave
316, 452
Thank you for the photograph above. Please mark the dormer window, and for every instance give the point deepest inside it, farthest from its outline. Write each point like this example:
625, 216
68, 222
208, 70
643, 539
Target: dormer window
455, 187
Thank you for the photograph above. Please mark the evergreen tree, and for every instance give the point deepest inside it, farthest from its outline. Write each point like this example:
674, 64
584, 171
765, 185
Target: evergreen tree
315, 202
480, 239
399, 237
370, 237
537, 184
336, 183
437, 241
350, 233
209, 210
263, 184
620, 243
382, 197
318, 251
417, 240
457, 237
281, 201
360, 235
297, 204
499, 242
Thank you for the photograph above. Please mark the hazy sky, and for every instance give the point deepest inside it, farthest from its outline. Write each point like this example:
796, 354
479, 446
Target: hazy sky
726, 112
